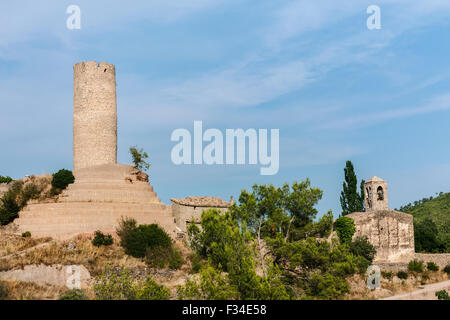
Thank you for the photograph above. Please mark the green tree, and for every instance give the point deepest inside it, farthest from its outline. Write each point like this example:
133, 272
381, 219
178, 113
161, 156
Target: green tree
351, 200
228, 246
345, 229
426, 237
6, 179
362, 247
268, 211
138, 157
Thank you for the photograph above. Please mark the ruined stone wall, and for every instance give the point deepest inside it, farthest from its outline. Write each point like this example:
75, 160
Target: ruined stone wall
441, 259
390, 232
94, 115
184, 214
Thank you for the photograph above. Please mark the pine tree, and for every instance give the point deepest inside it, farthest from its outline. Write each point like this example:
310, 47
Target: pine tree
351, 199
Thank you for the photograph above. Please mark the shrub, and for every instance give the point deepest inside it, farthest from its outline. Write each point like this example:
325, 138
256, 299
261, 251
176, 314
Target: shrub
196, 262
150, 290
176, 259
327, 286
3, 292
15, 199
26, 234
115, 285
101, 239
431, 266
415, 266
74, 294
345, 228
126, 226
9, 206
447, 269
5, 179
442, 295
143, 237
30, 191
386, 274
138, 157
120, 285
362, 247
210, 285
61, 180
402, 275
161, 256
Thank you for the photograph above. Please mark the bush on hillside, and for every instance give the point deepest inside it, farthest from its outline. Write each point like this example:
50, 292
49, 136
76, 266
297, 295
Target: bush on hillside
101, 239
146, 236
126, 226
416, 266
150, 242
431, 266
161, 256
10, 204
150, 290
442, 295
16, 198
402, 275
61, 180
120, 285
5, 179
74, 294
447, 269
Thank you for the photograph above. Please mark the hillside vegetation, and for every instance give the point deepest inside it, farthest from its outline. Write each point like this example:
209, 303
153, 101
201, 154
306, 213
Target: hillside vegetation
436, 209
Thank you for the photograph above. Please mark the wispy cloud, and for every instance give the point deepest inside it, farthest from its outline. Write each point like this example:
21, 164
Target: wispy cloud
440, 103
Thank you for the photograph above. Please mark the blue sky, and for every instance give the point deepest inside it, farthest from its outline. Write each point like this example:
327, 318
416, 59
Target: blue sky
312, 69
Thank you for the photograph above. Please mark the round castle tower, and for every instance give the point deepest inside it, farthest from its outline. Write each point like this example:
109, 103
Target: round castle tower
94, 114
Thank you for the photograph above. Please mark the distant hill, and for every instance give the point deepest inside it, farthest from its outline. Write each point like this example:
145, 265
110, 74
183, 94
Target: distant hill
437, 209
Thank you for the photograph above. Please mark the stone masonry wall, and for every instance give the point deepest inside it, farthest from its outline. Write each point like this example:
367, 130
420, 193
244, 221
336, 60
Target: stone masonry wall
184, 214
94, 115
390, 232
441, 259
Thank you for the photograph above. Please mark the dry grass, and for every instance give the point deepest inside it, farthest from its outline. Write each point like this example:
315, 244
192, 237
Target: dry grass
31, 291
13, 243
82, 253
393, 286
79, 251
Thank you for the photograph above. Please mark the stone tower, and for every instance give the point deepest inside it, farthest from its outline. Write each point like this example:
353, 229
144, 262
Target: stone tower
375, 194
94, 115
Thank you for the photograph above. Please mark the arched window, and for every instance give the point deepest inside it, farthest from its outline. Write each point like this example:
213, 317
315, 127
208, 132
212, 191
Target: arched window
380, 194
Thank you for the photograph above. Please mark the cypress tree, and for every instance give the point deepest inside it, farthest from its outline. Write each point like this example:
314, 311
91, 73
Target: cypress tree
351, 199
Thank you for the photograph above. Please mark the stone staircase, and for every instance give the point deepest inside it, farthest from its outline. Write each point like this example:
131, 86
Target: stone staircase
97, 200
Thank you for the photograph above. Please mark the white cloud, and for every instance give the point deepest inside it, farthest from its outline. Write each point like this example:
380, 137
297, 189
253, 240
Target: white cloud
440, 103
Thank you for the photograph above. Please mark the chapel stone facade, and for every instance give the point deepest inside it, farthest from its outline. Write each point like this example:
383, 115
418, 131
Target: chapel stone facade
390, 232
